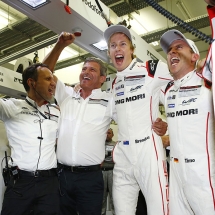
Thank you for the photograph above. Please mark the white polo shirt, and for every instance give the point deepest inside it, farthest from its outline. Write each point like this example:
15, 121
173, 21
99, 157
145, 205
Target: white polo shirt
32, 137
83, 126
4, 145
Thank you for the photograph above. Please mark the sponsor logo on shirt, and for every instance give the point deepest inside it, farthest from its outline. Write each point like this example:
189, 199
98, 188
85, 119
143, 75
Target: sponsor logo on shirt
98, 101
142, 140
75, 98
182, 113
120, 94
135, 88
152, 65
130, 99
133, 80
187, 102
189, 160
173, 91
119, 87
171, 105
189, 91
33, 113
126, 142
171, 97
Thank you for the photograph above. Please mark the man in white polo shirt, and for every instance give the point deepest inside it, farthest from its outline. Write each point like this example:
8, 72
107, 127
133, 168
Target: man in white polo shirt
31, 127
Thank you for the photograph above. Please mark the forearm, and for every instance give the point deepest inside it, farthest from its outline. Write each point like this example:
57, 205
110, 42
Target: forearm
52, 58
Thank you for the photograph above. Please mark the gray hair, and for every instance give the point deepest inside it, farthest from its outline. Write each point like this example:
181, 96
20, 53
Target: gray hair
103, 68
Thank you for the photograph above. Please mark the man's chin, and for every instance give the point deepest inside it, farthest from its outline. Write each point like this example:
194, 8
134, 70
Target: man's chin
51, 99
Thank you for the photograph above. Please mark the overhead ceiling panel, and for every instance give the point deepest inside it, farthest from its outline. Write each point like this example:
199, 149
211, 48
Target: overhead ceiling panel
198, 23
22, 35
124, 7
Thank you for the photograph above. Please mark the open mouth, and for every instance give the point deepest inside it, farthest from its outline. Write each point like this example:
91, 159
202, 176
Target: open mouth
51, 91
174, 61
119, 58
86, 78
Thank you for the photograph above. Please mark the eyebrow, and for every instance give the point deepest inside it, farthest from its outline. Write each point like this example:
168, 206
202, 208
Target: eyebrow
180, 44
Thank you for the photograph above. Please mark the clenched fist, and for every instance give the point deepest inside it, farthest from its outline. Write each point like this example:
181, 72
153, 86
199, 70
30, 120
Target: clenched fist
65, 39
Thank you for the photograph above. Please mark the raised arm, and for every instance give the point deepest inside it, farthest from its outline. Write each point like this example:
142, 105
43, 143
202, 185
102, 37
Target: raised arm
63, 41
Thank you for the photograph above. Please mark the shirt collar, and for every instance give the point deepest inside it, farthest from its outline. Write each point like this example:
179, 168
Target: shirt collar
178, 83
94, 91
30, 100
34, 103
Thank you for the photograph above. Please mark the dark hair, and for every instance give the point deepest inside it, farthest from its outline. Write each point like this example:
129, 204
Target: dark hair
31, 72
103, 68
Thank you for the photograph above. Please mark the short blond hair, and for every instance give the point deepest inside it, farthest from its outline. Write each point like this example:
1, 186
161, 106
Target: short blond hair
132, 47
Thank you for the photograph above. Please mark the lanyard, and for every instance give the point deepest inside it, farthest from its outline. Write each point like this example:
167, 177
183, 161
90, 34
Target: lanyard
38, 110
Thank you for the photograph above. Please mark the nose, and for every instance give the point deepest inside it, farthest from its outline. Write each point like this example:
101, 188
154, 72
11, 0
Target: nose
117, 47
86, 71
172, 50
53, 83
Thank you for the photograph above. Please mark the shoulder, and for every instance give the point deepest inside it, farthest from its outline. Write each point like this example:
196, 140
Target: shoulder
12, 101
204, 82
168, 86
105, 95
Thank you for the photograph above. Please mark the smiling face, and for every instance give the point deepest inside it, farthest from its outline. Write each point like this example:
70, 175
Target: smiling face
90, 77
180, 59
120, 51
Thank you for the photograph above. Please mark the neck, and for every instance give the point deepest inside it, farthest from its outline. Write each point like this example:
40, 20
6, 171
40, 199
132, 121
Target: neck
37, 100
85, 93
180, 76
